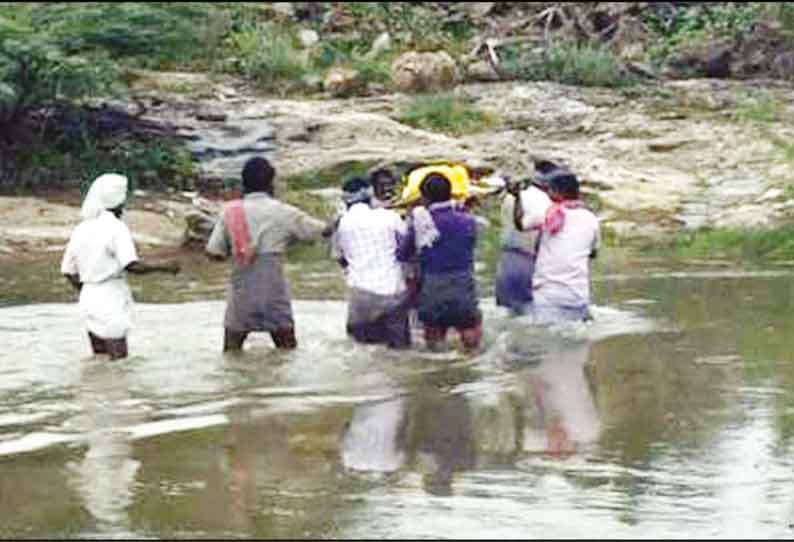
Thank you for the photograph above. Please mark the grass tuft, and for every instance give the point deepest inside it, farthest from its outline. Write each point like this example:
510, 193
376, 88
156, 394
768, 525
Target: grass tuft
445, 113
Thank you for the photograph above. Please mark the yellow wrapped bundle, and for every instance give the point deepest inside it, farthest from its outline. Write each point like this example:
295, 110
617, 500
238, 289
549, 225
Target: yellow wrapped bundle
463, 184
457, 174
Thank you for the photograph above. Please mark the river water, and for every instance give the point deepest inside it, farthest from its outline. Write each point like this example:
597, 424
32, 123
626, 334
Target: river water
670, 416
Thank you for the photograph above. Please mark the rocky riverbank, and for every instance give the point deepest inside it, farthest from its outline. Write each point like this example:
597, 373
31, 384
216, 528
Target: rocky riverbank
655, 160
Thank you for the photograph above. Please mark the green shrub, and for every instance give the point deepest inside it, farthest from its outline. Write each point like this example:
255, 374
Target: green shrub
741, 244
34, 73
569, 64
784, 12
315, 205
758, 106
349, 53
373, 70
148, 164
154, 35
445, 113
270, 56
685, 28
331, 176
411, 25
489, 240
785, 146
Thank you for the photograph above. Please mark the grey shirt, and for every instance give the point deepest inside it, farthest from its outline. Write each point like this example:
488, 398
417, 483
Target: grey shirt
273, 225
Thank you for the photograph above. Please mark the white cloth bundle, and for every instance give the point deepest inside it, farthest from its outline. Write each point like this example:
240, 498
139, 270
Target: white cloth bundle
425, 226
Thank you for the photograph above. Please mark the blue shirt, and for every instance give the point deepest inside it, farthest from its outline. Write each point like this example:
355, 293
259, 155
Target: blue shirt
454, 248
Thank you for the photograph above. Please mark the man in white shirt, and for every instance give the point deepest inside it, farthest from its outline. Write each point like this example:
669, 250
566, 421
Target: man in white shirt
366, 243
569, 240
519, 242
98, 256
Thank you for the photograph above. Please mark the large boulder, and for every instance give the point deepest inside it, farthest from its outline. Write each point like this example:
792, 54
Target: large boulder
199, 221
714, 60
421, 72
342, 81
481, 70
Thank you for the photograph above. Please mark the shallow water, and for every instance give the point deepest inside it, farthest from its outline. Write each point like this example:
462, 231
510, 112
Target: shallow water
668, 417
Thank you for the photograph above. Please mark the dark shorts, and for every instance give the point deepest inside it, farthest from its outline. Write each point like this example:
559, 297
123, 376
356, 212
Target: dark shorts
514, 280
115, 348
379, 319
449, 300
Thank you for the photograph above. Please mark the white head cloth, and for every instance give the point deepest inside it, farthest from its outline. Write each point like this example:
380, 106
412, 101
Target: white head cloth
108, 191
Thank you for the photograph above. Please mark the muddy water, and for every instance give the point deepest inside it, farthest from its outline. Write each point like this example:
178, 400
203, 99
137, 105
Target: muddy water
670, 416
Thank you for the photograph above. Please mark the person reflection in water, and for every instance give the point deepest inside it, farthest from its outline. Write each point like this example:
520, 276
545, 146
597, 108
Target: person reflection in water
241, 450
433, 431
443, 435
374, 440
107, 472
561, 396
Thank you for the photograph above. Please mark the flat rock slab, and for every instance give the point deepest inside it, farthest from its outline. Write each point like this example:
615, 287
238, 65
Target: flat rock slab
38, 225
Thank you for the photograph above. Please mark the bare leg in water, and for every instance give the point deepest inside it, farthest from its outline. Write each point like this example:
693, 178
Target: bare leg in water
471, 338
233, 340
283, 339
116, 348
435, 338
97, 345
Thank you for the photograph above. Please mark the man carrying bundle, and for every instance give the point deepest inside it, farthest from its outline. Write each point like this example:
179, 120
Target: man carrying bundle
521, 208
443, 235
384, 185
366, 242
569, 239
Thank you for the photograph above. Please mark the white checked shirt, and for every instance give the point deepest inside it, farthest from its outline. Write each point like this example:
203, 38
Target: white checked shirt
367, 239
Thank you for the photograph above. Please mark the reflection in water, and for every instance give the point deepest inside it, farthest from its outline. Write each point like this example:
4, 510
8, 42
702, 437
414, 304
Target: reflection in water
105, 476
241, 456
443, 439
688, 432
547, 407
374, 440
565, 416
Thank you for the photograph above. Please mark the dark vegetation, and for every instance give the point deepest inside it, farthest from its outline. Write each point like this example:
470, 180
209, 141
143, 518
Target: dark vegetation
62, 63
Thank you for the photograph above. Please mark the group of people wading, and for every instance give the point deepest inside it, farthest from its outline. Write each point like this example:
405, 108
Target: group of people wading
421, 263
